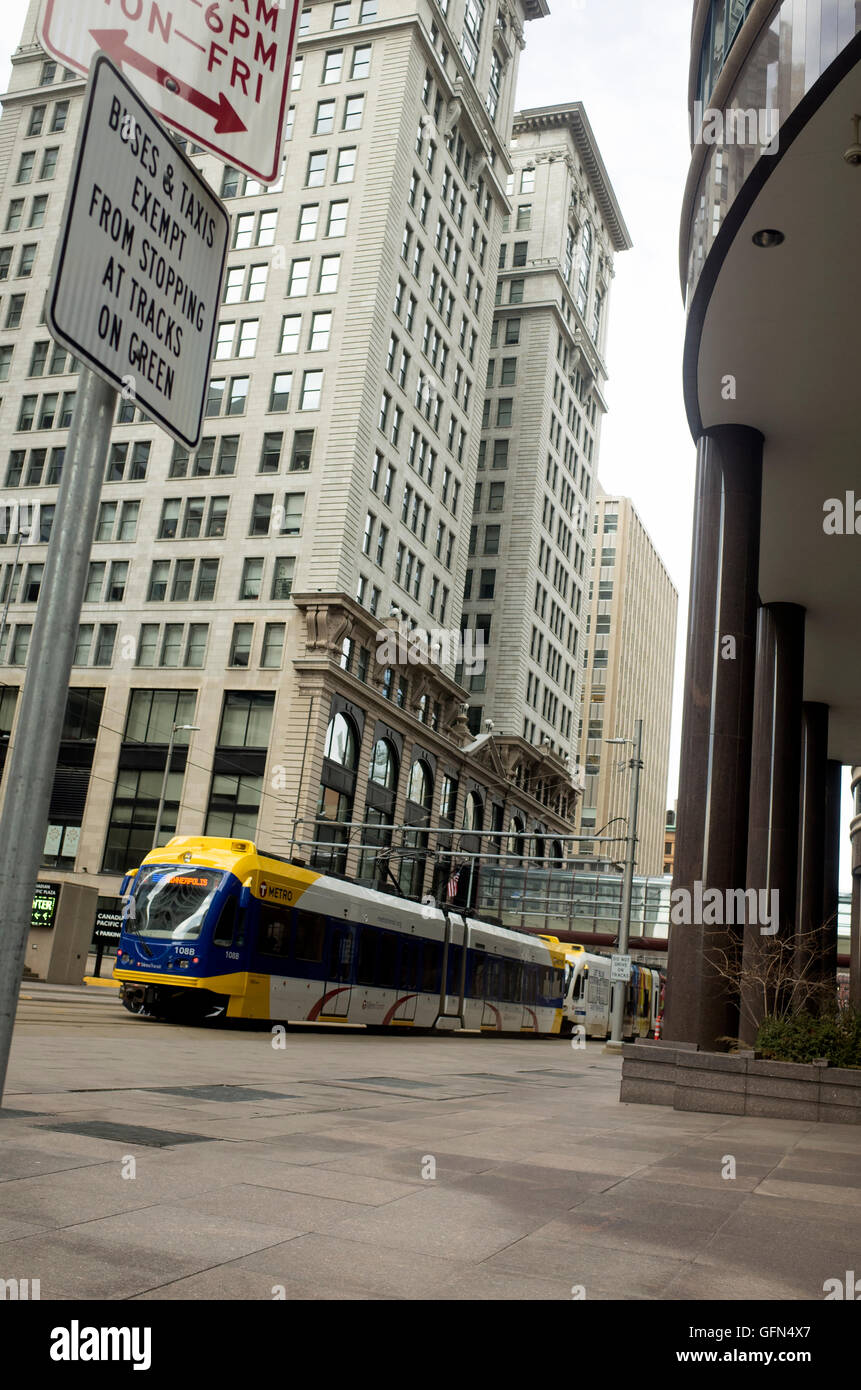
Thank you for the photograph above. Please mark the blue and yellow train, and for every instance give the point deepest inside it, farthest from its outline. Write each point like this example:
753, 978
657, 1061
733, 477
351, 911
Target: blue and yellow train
213, 927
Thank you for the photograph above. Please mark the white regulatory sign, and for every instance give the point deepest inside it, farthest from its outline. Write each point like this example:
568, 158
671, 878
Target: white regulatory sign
140, 260
620, 969
216, 70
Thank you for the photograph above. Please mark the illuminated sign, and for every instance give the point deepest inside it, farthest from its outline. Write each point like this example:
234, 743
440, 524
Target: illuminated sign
45, 900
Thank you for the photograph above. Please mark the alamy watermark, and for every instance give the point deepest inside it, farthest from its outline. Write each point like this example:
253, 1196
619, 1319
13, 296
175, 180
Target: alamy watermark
403, 646
736, 126
726, 907
20, 516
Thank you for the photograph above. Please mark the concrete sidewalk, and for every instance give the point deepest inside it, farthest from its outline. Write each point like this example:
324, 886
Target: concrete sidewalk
144, 1161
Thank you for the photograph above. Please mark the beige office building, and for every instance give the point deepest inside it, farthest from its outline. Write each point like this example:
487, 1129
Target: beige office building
544, 403
241, 589
628, 675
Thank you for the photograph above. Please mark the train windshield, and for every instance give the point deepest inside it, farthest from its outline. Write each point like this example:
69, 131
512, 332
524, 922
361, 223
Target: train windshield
170, 901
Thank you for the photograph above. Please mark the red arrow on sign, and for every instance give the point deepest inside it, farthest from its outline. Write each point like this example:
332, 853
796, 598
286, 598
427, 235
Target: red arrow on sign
114, 43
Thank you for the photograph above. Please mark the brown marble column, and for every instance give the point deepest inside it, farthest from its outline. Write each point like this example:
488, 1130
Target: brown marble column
831, 876
711, 836
855, 920
772, 843
810, 928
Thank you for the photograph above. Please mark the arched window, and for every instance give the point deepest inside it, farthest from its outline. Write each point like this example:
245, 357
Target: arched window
415, 842
515, 835
337, 789
473, 812
420, 785
341, 742
384, 765
556, 853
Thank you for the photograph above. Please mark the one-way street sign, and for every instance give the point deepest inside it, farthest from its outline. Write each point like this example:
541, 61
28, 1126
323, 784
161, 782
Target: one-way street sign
140, 259
216, 70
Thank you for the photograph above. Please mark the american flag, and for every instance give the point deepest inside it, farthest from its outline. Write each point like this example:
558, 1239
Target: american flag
451, 887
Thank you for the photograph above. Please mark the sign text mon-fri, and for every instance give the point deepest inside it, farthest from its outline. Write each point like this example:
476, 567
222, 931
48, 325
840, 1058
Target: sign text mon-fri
216, 70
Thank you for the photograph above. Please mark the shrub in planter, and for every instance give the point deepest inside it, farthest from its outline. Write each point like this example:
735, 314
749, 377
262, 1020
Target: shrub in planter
802, 1037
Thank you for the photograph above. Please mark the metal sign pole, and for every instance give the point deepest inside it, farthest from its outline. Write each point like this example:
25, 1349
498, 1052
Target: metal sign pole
620, 989
32, 763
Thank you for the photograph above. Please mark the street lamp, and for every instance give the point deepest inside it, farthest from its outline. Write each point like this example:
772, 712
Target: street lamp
192, 728
635, 763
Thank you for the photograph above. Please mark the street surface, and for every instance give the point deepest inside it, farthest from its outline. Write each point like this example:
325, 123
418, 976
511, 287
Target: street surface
145, 1161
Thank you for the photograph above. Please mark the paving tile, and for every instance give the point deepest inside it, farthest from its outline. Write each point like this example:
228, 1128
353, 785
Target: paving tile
120, 1256
11, 1228
620, 1274
842, 1196
715, 1283
804, 1267
21, 1162
326, 1182
229, 1282
405, 1165
316, 1148
342, 1264
443, 1221
484, 1284
271, 1206
78, 1195
644, 1226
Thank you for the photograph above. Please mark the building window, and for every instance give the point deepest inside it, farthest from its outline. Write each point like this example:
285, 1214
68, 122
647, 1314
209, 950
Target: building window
240, 644
300, 457
312, 387
321, 327
324, 121
361, 61
282, 580
279, 397
252, 577
332, 66
316, 174
329, 269
294, 504
273, 645
346, 166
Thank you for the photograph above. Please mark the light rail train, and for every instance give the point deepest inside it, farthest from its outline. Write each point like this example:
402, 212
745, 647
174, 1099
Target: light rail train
588, 995
214, 927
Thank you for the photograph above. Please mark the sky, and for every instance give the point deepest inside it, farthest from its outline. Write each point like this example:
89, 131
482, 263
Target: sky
627, 61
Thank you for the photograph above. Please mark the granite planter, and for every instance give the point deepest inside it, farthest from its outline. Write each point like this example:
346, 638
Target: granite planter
740, 1083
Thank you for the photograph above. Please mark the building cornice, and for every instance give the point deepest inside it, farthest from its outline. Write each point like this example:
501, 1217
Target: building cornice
572, 116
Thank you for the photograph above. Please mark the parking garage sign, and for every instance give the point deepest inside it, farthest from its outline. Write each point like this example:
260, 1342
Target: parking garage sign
216, 70
140, 260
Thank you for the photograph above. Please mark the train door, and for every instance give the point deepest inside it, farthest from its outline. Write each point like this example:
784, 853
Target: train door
598, 997
407, 982
645, 1003
575, 996
629, 1018
490, 1015
339, 969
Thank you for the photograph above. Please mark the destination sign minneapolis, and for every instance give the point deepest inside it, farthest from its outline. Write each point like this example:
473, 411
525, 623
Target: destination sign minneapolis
141, 261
